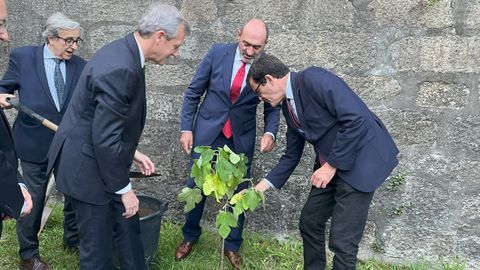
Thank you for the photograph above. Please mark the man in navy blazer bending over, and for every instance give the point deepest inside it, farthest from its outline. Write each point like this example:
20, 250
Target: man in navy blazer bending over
227, 116
96, 142
13, 193
45, 77
354, 155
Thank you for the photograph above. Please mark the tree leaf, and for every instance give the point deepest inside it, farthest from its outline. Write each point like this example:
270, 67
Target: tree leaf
252, 199
190, 197
234, 158
208, 186
236, 198
200, 149
207, 156
224, 221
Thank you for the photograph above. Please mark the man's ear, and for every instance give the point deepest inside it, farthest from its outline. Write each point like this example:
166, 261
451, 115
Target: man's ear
269, 78
160, 34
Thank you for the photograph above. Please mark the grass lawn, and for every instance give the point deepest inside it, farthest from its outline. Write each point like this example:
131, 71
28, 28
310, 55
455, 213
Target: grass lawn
258, 251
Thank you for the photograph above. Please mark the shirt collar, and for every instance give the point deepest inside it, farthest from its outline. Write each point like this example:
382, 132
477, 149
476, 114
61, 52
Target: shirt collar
289, 93
142, 57
47, 54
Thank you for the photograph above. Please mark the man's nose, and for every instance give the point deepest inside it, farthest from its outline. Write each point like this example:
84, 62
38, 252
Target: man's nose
4, 35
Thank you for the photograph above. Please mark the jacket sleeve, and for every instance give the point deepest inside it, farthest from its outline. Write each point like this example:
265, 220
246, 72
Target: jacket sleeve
271, 118
11, 78
112, 92
279, 175
195, 91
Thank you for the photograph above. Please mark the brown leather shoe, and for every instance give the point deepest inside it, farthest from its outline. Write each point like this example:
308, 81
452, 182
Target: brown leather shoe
234, 258
183, 250
34, 263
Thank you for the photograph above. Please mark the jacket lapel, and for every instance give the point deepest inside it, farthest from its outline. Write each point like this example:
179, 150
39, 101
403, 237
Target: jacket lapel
227, 65
42, 75
297, 98
132, 44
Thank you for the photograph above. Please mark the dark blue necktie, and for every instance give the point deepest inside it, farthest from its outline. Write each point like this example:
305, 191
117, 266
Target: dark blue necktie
59, 83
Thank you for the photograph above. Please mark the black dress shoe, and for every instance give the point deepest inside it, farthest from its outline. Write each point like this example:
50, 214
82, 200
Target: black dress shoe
34, 263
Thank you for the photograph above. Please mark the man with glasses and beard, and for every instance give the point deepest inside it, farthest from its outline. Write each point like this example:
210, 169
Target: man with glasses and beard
45, 77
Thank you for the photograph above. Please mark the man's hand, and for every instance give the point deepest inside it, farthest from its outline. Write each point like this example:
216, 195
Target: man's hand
131, 204
266, 143
144, 163
322, 176
28, 202
186, 141
262, 186
3, 101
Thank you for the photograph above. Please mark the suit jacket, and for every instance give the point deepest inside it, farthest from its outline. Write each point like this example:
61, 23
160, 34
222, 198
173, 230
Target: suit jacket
342, 130
26, 73
212, 81
94, 146
11, 198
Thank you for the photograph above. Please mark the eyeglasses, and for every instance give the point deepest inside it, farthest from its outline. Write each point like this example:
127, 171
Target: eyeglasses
70, 41
258, 86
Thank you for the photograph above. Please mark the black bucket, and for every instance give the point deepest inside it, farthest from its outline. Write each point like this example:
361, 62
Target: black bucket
151, 213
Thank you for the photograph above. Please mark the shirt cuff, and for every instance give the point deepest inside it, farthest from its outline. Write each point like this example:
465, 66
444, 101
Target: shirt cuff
269, 183
125, 189
273, 136
23, 185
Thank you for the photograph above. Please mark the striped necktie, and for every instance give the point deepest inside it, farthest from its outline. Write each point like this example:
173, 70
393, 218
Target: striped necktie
59, 83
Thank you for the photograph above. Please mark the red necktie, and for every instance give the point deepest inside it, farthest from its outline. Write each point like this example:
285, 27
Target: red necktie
234, 93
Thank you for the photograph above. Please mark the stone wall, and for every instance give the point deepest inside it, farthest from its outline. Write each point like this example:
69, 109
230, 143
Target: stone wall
416, 66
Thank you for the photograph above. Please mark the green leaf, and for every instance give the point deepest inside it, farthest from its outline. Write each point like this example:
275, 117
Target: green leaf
226, 148
252, 199
234, 158
224, 221
200, 149
237, 210
220, 188
236, 198
208, 186
207, 156
190, 197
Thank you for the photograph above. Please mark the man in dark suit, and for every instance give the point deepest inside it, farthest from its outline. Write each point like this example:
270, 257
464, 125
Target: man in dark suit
45, 77
354, 155
95, 144
226, 116
15, 200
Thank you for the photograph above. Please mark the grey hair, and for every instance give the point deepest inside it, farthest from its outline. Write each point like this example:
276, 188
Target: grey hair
162, 17
59, 21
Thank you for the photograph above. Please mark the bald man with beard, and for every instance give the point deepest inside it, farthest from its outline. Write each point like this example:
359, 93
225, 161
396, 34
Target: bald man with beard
226, 116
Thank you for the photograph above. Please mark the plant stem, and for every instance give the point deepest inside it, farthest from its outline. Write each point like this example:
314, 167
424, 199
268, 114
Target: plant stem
221, 254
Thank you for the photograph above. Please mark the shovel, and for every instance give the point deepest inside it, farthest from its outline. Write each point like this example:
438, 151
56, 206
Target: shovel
51, 183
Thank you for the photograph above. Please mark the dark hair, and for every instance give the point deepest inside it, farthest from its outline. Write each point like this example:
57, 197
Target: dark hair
266, 64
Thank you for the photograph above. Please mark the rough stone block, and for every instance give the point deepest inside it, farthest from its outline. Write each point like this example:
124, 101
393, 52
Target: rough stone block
94, 11
436, 54
325, 14
192, 11
411, 127
472, 15
463, 135
374, 90
412, 13
337, 51
442, 95
103, 35
168, 75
